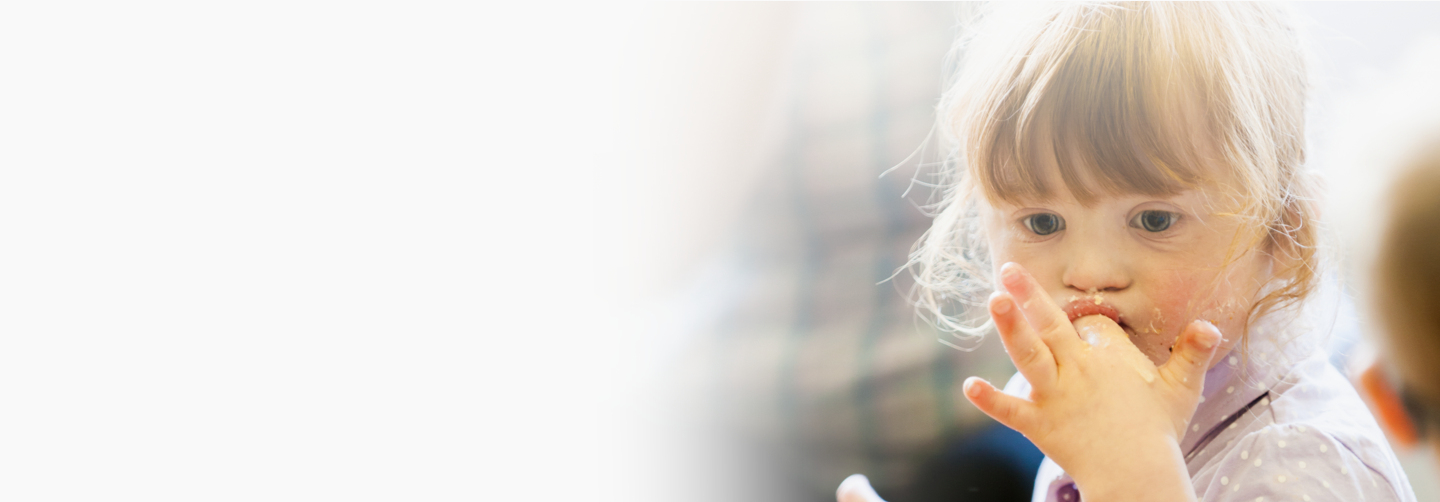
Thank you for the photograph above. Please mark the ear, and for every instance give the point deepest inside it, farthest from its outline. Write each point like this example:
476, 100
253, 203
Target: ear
1388, 408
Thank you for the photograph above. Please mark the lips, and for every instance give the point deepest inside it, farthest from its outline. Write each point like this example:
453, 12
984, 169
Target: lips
1087, 307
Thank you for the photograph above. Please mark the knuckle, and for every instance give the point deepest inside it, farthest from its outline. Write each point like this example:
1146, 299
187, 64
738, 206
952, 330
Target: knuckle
1031, 356
1047, 323
1004, 413
1196, 358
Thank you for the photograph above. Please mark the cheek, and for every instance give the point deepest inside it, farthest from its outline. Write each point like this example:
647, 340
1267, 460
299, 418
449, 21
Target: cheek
1005, 248
1173, 299
1170, 299
995, 245
1041, 263
1183, 296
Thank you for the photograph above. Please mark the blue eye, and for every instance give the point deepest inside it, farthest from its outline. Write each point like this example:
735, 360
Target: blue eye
1044, 223
1154, 221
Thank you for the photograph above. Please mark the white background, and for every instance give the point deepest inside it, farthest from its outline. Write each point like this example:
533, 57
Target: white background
354, 250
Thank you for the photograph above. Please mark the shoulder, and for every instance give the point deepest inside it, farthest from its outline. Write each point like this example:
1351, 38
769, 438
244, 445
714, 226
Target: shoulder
1303, 462
1315, 392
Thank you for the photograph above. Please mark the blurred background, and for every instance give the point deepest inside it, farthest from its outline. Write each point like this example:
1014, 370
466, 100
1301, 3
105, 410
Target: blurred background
631, 251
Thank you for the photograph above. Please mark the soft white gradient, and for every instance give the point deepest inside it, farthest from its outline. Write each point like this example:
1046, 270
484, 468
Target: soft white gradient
329, 250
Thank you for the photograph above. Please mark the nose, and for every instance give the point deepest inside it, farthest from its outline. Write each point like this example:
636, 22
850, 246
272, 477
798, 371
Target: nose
1097, 268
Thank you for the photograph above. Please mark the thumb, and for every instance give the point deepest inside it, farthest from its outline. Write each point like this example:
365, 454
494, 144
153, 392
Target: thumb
1191, 358
856, 488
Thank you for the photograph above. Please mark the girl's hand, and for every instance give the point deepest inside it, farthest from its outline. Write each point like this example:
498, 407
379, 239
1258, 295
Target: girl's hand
1098, 407
856, 488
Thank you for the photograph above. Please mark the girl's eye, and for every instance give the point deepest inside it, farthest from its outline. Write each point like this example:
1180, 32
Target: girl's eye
1044, 223
1155, 221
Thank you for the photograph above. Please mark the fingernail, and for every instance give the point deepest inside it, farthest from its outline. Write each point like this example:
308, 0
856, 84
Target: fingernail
970, 388
1010, 274
1000, 304
1207, 336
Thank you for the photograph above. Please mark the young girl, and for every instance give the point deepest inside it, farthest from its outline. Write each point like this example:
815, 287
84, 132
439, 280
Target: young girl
1133, 177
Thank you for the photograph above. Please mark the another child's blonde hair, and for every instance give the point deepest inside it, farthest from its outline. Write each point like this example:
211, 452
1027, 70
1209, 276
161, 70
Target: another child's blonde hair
1407, 273
1105, 83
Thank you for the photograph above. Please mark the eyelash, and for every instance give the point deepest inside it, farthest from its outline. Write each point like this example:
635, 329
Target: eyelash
1044, 228
1030, 224
1139, 220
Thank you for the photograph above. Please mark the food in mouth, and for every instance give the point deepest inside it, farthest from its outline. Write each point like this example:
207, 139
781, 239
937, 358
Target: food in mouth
1081, 308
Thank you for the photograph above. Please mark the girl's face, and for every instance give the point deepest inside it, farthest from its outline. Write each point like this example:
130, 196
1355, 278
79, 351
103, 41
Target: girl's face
1151, 264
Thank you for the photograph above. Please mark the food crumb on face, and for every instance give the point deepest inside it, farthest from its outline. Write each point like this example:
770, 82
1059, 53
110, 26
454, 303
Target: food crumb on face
1095, 296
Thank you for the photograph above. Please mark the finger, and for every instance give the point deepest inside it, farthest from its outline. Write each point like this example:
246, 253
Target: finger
856, 488
1098, 331
1191, 356
1022, 343
1012, 411
1051, 323
1111, 342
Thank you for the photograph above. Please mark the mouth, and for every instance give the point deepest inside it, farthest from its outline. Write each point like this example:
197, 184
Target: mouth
1081, 308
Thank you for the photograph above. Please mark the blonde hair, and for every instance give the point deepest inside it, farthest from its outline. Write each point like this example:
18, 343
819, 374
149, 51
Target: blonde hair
1407, 273
1103, 82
